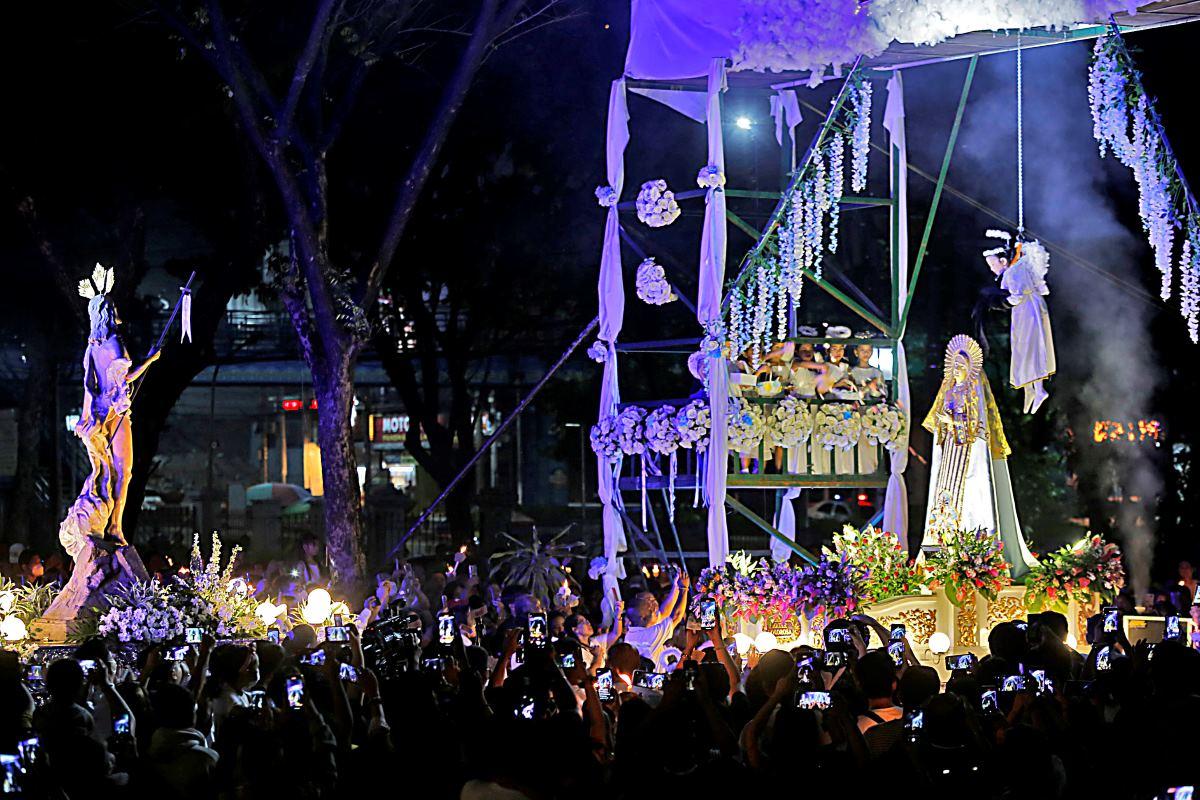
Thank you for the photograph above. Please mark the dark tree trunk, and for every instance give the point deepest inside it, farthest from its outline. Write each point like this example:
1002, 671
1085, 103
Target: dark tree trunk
333, 383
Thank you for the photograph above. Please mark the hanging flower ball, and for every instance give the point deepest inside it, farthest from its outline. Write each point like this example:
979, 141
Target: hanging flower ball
698, 365
656, 204
661, 434
710, 177
598, 352
606, 196
652, 284
604, 439
694, 422
631, 430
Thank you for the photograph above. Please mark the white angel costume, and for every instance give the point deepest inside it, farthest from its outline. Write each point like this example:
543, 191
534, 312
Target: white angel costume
969, 486
1032, 343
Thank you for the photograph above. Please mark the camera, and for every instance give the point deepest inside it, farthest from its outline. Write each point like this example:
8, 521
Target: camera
121, 725
914, 723
273, 636
295, 692
897, 632
34, 674
316, 658
1171, 631
1112, 624
838, 639
348, 673
604, 684
1013, 683
708, 614
835, 659
177, 653
960, 662
433, 664
653, 681
1103, 659
526, 707
89, 666
194, 635
567, 660
337, 633
989, 700
445, 628
896, 651
813, 700
538, 632
28, 750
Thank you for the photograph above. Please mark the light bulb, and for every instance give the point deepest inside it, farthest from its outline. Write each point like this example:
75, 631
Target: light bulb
318, 607
12, 629
743, 643
744, 123
939, 643
765, 642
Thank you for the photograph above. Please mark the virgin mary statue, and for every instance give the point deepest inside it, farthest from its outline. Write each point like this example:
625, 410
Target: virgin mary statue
969, 484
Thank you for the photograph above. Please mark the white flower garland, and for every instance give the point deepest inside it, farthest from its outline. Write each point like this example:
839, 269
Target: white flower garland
747, 427
694, 422
884, 424
656, 204
790, 423
837, 426
652, 285
1118, 108
860, 99
1189, 282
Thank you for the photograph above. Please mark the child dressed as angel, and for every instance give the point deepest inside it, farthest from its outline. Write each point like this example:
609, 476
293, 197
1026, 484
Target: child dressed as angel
1021, 267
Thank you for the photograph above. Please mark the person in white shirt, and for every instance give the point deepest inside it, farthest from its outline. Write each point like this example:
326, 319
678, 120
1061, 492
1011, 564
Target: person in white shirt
652, 625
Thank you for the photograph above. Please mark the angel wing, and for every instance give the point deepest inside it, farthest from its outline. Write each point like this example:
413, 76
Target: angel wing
99, 282
1039, 264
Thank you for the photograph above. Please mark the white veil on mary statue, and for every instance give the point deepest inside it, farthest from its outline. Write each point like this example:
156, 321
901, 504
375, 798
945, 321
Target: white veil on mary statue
969, 486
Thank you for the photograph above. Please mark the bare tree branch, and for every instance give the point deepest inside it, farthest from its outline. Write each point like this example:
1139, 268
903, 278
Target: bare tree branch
62, 278
431, 146
318, 35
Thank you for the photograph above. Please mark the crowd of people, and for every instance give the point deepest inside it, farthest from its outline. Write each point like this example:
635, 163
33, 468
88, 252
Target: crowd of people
451, 685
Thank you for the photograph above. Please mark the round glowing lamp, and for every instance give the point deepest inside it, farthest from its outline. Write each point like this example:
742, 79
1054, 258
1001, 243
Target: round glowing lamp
939, 643
318, 607
765, 642
268, 612
744, 123
12, 629
743, 643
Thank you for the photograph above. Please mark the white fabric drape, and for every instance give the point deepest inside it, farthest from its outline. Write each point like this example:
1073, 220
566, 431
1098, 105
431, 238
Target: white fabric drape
785, 109
785, 517
895, 502
612, 313
708, 310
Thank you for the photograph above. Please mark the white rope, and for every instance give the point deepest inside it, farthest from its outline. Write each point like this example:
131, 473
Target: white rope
1020, 145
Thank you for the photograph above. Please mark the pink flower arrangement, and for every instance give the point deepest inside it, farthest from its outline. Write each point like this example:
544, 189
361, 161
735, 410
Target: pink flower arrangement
1091, 567
971, 561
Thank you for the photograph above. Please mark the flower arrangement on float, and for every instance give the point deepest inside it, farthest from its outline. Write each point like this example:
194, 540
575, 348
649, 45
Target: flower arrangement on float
604, 438
1091, 567
694, 422
747, 426
968, 562
789, 423
20, 606
885, 424
206, 596
837, 426
889, 572
833, 586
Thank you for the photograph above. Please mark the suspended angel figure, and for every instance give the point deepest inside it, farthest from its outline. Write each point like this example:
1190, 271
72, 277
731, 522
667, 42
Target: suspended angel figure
104, 422
1021, 267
